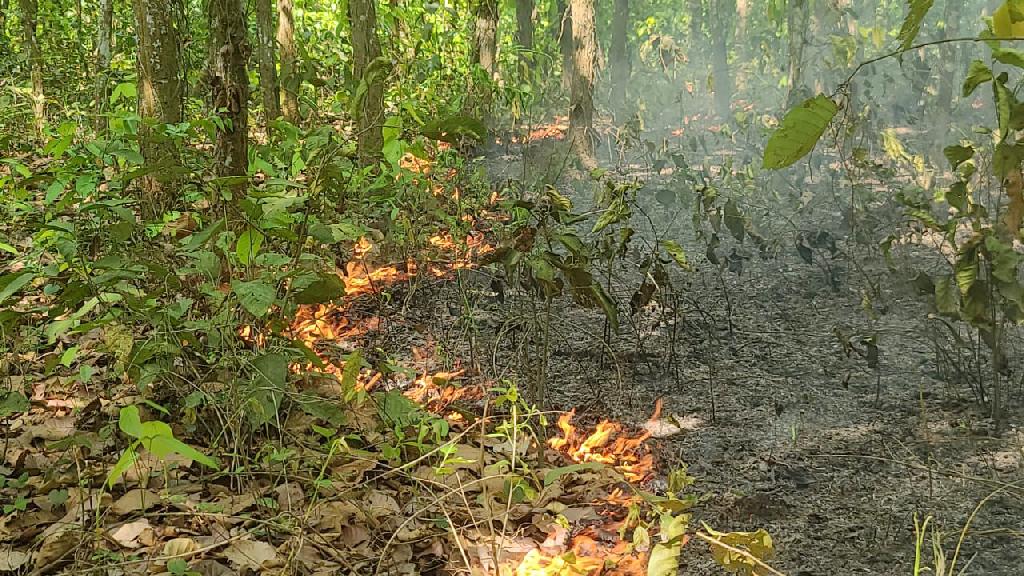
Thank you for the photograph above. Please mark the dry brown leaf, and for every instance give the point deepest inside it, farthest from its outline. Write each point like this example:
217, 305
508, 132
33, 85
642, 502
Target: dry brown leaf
207, 567
354, 535
11, 559
379, 504
180, 547
290, 497
127, 535
672, 425
135, 500
332, 516
55, 547
250, 554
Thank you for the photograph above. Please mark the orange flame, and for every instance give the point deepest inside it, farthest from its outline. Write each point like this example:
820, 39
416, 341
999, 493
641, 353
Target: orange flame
607, 445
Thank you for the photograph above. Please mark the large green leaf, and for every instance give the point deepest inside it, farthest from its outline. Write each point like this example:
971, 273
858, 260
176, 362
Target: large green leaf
664, 559
1010, 56
977, 74
11, 283
324, 289
917, 10
256, 296
800, 131
248, 245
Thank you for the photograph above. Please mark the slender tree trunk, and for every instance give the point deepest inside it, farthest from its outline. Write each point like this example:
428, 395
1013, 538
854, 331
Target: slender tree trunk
367, 68
229, 85
290, 80
4, 46
948, 65
797, 20
29, 13
485, 36
619, 55
269, 88
581, 113
721, 23
524, 23
103, 57
161, 96
564, 29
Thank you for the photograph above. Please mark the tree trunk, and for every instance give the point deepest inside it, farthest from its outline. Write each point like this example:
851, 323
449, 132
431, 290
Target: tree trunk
161, 95
365, 51
524, 23
485, 36
797, 20
564, 30
290, 80
4, 46
229, 85
618, 55
581, 112
948, 64
103, 57
29, 13
269, 88
721, 23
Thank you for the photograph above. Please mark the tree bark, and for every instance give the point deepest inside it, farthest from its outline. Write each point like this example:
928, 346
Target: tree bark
29, 14
366, 68
229, 85
797, 19
485, 36
103, 57
721, 23
618, 55
161, 95
269, 87
524, 23
564, 30
290, 80
581, 112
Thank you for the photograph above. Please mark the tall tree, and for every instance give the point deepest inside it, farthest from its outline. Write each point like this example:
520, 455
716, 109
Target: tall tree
618, 54
485, 35
581, 112
290, 80
103, 57
269, 87
229, 85
369, 69
524, 23
721, 25
564, 37
797, 20
161, 89
29, 14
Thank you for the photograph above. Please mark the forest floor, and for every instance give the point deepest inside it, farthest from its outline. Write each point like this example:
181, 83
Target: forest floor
781, 424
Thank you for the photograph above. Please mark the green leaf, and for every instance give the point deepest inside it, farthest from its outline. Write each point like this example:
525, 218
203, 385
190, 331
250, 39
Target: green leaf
11, 283
248, 245
800, 131
171, 445
734, 220
966, 271
255, 296
947, 300
127, 459
664, 559
957, 155
758, 544
1010, 56
977, 75
13, 402
1004, 104
324, 289
129, 421
918, 9
677, 253
556, 473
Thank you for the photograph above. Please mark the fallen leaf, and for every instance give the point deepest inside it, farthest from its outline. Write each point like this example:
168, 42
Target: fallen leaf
290, 497
250, 554
55, 547
180, 547
672, 425
127, 535
135, 500
11, 559
209, 567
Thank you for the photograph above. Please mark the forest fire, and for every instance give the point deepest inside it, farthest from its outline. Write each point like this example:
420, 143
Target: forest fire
606, 445
599, 549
